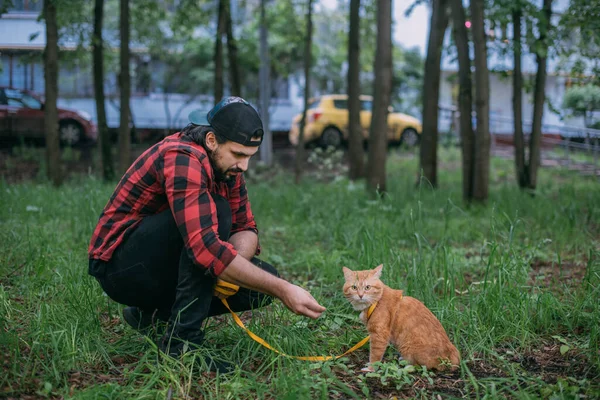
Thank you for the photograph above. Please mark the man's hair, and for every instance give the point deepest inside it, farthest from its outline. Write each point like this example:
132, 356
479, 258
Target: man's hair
198, 134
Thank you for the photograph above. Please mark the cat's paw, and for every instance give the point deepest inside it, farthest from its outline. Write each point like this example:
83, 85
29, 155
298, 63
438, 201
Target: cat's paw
368, 368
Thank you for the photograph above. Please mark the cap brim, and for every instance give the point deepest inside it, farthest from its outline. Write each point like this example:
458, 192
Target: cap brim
198, 117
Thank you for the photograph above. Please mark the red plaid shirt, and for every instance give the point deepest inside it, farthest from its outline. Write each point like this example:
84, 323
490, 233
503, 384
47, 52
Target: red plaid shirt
175, 173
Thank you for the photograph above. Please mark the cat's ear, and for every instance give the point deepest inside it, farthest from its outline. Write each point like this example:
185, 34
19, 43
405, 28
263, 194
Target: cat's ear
377, 271
348, 273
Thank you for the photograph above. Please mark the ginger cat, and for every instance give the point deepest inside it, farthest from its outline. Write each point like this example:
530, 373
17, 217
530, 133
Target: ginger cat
404, 321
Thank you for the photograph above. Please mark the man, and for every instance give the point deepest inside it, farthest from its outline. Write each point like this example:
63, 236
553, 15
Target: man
178, 219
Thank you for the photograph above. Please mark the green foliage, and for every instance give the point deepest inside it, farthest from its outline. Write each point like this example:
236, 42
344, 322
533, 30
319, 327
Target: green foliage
582, 100
580, 27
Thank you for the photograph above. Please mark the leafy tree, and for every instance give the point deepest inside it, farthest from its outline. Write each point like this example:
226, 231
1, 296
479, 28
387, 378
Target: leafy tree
266, 149
519, 140
465, 98
482, 104
307, 68
355, 136
98, 71
234, 73
431, 90
583, 101
578, 34
125, 89
539, 96
51, 92
378, 135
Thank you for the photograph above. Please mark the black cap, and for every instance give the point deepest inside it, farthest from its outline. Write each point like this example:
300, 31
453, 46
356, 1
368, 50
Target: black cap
233, 118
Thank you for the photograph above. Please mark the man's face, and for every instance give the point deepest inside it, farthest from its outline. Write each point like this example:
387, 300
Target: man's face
229, 159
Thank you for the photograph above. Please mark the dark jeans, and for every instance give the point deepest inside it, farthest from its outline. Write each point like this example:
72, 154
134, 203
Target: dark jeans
152, 270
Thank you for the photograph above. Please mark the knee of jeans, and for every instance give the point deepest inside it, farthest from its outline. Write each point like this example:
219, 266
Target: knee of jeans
265, 266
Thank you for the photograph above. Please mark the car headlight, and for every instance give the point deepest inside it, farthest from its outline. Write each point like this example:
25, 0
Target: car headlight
84, 115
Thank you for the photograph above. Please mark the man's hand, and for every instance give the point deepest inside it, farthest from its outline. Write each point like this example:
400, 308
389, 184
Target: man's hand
301, 302
242, 272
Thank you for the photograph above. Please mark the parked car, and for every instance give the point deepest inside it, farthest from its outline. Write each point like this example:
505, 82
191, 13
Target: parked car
327, 122
22, 119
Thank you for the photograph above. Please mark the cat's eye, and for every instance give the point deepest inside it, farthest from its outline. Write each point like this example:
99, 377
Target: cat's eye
367, 287
354, 287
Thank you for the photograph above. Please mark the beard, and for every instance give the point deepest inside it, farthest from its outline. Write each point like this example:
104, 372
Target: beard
222, 175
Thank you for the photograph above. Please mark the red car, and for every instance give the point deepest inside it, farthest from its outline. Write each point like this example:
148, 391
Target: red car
22, 119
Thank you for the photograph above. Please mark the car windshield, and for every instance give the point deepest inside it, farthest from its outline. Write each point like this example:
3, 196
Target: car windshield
16, 98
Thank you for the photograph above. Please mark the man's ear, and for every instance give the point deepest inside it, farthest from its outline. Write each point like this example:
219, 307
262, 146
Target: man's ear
210, 141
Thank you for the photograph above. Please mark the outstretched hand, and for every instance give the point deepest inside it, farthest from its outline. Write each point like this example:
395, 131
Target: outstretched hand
301, 302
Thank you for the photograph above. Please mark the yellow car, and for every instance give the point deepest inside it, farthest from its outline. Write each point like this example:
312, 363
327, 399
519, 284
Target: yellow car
327, 122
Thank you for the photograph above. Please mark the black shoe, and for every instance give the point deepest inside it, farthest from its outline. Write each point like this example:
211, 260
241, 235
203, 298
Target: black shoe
177, 347
139, 320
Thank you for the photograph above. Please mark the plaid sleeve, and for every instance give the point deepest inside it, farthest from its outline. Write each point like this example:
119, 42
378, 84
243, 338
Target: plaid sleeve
242, 217
194, 210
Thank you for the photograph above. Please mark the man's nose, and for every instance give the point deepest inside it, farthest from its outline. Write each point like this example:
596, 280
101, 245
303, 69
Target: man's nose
243, 165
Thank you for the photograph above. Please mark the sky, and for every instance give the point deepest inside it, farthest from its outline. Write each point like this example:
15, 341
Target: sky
409, 32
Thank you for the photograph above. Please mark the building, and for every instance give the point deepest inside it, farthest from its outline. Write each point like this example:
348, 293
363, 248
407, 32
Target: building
22, 41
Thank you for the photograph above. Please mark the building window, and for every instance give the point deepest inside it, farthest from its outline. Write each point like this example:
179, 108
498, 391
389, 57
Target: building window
22, 5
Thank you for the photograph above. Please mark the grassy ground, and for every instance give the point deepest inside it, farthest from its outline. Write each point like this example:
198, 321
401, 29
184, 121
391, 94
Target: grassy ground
516, 285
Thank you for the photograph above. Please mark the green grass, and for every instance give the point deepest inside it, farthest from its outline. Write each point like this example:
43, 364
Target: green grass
516, 283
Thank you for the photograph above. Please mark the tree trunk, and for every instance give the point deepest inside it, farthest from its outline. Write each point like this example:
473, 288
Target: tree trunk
539, 96
234, 73
125, 87
51, 90
356, 153
108, 172
431, 91
465, 100
307, 66
221, 21
266, 148
518, 100
378, 135
482, 104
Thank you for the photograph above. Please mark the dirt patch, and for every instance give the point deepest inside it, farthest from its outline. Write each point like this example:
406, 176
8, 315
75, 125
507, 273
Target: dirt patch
545, 362
555, 276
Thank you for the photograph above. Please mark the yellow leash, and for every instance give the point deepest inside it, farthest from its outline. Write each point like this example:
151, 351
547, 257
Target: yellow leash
225, 289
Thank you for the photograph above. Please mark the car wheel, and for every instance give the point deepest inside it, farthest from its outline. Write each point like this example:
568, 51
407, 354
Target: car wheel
70, 133
331, 137
409, 138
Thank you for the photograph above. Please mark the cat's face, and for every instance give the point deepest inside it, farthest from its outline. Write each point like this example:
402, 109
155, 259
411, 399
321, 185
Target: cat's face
362, 288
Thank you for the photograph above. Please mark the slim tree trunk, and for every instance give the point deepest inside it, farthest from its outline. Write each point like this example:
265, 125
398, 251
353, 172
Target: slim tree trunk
378, 135
539, 96
234, 73
465, 100
125, 87
307, 66
518, 100
51, 88
482, 104
356, 153
266, 148
431, 91
108, 172
221, 21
